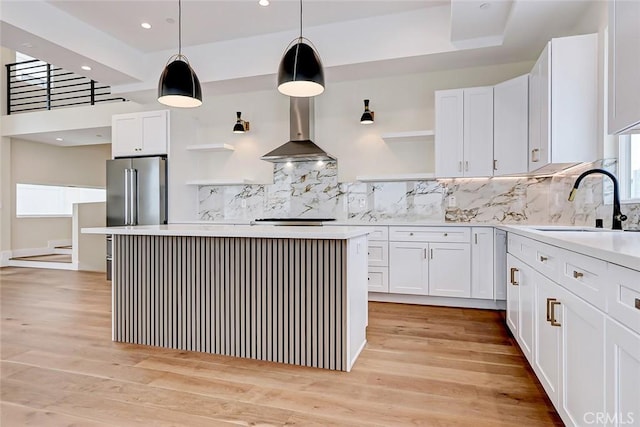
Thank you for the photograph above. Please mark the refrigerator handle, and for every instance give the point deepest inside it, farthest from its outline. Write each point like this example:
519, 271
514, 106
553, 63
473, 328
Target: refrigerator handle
127, 196
133, 181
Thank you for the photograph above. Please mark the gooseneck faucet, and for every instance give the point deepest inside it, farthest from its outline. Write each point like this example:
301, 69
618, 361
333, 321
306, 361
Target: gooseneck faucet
618, 216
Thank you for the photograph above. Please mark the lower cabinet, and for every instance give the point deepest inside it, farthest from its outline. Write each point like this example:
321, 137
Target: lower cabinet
378, 280
521, 304
409, 272
449, 270
483, 283
622, 353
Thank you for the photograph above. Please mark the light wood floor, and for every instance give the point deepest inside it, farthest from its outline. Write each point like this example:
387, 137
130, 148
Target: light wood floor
422, 366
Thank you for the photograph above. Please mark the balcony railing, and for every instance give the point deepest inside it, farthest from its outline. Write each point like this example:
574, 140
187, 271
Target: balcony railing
35, 85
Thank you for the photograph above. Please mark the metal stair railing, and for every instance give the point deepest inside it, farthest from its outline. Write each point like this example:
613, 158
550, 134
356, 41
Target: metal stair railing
36, 85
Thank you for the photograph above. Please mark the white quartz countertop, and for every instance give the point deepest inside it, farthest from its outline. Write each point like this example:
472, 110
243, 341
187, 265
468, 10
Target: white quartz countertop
617, 247
258, 231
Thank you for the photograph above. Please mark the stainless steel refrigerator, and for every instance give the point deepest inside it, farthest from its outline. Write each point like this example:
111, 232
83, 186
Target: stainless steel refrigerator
136, 194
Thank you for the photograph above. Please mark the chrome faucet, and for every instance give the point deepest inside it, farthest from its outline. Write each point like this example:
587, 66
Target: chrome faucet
618, 216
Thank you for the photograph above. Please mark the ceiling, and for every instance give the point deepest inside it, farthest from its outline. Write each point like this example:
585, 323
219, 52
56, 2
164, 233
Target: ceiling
235, 45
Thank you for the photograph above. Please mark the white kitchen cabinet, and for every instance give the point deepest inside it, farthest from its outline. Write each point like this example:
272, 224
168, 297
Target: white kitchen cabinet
623, 296
449, 274
563, 104
140, 134
624, 63
521, 304
482, 262
622, 353
511, 126
409, 268
378, 279
499, 264
378, 254
464, 132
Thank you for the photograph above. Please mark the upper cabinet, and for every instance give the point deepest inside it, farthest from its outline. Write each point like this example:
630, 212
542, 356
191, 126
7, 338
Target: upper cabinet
511, 126
140, 134
624, 66
464, 132
563, 104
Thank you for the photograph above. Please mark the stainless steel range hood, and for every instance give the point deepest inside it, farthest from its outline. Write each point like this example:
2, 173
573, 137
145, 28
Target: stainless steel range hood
300, 148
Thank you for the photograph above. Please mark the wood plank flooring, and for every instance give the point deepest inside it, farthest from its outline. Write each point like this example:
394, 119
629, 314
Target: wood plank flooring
428, 366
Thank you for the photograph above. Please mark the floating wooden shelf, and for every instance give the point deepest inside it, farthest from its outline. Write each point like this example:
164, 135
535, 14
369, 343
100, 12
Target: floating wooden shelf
211, 147
400, 177
220, 182
403, 136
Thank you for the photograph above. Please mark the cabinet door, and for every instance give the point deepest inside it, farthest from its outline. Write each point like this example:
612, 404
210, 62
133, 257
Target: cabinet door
478, 131
449, 133
378, 253
126, 137
408, 268
378, 280
622, 349
155, 132
482, 254
500, 264
511, 126
582, 355
521, 305
450, 270
546, 355
539, 110
624, 63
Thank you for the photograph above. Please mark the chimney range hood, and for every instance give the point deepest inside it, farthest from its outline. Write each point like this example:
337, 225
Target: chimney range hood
300, 148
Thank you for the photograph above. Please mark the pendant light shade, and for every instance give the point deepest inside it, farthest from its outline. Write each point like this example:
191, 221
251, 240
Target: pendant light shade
179, 85
367, 116
300, 73
241, 126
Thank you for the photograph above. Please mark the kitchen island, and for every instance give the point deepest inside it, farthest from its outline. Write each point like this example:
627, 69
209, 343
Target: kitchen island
294, 295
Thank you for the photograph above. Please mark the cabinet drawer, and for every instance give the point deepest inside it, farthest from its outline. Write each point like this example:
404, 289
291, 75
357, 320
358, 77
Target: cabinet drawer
546, 259
378, 279
584, 276
378, 253
379, 233
521, 247
430, 234
623, 296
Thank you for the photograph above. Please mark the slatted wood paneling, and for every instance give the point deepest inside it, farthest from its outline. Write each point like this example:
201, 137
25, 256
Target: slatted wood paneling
282, 300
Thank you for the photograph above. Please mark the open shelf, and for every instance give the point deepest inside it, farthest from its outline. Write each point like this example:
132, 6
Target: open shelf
210, 147
220, 182
398, 177
405, 136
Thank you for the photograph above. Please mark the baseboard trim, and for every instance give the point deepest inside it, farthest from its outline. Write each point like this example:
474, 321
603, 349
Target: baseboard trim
43, 264
439, 301
19, 253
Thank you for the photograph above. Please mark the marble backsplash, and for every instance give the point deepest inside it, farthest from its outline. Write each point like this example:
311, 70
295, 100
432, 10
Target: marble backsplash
312, 190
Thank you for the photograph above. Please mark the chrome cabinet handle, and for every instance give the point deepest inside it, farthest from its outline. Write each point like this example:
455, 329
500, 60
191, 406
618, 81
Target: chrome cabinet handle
431, 253
543, 258
552, 315
127, 196
475, 235
466, 166
534, 157
495, 165
577, 274
513, 276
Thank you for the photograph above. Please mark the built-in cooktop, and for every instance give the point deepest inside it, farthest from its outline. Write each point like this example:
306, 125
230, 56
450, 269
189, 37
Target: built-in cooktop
291, 221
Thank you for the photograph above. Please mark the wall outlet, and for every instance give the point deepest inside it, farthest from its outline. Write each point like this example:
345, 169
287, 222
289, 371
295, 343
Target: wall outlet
452, 202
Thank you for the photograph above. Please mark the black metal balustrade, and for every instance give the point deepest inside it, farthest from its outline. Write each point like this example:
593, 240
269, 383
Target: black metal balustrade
35, 85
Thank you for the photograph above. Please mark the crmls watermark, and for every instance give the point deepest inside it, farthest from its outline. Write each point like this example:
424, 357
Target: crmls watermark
606, 418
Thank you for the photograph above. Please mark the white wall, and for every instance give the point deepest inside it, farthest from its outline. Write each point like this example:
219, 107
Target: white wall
36, 163
400, 103
6, 57
89, 250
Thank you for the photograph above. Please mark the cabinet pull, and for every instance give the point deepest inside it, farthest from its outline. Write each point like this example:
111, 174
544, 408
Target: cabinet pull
495, 165
475, 236
543, 258
638, 303
577, 274
549, 301
410, 234
553, 320
534, 157
466, 166
429, 251
446, 234
513, 276
460, 166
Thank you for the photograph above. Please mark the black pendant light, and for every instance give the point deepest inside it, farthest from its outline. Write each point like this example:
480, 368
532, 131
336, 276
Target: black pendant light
179, 86
367, 116
241, 126
300, 73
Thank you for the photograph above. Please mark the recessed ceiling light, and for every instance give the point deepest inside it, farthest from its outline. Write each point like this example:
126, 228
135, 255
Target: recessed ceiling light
59, 139
86, 68
263, 2
27, 45
170, 21
485, 6
146, 25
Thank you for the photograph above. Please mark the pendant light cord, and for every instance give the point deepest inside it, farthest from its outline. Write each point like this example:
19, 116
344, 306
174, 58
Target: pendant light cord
300, 19
180, 28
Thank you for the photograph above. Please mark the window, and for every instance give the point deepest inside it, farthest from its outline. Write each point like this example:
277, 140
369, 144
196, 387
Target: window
34, 73
629, 167
51, 200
